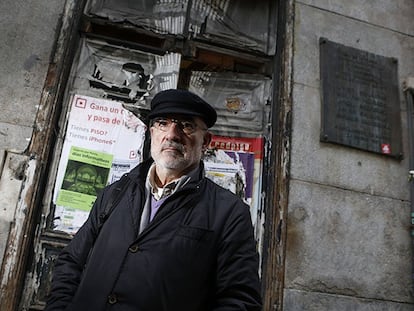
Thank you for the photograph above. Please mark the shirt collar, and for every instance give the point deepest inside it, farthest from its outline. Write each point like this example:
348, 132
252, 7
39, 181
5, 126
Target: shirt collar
162, 192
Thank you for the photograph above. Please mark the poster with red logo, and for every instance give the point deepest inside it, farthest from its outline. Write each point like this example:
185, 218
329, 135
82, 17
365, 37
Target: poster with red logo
235, 163
103, 141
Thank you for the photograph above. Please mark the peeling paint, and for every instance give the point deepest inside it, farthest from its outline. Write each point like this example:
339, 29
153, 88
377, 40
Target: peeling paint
275, 231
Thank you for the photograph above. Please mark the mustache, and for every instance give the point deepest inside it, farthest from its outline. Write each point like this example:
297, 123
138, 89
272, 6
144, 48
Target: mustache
173, 144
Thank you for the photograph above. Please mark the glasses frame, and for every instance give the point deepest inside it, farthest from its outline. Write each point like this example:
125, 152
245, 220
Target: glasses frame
181, 124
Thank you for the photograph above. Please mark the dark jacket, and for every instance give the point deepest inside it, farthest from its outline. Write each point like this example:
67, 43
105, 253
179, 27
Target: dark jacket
198, 254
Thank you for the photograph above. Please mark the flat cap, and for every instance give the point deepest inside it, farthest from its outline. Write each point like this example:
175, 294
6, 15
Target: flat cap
184, 102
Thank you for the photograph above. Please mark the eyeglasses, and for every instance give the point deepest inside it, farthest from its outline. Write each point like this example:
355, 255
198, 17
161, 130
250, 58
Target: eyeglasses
164, 124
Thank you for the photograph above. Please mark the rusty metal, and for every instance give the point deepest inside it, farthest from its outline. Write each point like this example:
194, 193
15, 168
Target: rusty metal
278, 169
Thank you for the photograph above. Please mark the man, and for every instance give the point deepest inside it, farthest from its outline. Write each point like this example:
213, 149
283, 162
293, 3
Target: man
175, 241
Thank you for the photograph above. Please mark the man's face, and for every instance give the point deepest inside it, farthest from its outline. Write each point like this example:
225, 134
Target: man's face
175, 147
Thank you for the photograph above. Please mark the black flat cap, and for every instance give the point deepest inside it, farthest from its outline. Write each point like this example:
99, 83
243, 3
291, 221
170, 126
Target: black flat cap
182, 102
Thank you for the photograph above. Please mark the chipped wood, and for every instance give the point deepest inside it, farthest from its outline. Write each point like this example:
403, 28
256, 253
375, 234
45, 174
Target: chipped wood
277, 202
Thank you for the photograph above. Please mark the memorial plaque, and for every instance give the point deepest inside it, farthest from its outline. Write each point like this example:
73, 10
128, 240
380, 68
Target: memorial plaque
360, 99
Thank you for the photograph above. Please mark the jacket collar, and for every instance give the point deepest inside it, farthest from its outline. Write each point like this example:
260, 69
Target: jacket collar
139, 173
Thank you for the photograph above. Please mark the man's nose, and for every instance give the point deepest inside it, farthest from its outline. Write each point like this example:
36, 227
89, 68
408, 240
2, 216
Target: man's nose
174, 130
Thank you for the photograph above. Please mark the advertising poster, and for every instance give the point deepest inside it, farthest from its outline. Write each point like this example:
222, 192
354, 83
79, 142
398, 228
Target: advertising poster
103, 141
86, 174
235, 163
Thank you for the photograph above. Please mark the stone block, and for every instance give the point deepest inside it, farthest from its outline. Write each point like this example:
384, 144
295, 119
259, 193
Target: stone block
11, 180
295, 300
336, 165
29, 29
348, 243
14, 137
313, 23
396, 15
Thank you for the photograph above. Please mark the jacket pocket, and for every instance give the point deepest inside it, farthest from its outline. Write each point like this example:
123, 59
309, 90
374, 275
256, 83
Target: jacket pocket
189, 257
193, 233
191, 244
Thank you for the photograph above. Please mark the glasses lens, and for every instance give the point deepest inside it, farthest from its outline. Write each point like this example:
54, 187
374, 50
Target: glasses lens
164, 124
187, 126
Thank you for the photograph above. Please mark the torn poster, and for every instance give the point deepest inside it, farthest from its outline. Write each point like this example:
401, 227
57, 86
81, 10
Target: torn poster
124, 75
103, 141
235, 163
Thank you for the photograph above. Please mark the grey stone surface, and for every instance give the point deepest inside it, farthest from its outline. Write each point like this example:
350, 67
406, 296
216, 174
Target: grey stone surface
348, 239
396, 14
4, 235
348, 243
312, 301
340, 166
327, 163
14, 137
27, 36
11, 179
312, 23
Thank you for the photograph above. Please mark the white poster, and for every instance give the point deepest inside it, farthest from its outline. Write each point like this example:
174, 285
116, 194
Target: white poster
103, 141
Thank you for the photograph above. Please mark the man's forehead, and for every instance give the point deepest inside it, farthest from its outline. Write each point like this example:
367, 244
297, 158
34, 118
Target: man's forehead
176, 116
185, 117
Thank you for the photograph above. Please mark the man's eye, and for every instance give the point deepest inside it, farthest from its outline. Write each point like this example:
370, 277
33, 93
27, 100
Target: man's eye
162, 122
187, 125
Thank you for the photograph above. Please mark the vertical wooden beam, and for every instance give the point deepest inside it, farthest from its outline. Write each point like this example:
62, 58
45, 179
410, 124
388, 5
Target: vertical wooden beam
273, 265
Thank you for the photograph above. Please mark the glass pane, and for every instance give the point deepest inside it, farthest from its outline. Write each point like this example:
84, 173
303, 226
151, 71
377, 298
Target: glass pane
241, 100
246, 25
159, 16
242, 24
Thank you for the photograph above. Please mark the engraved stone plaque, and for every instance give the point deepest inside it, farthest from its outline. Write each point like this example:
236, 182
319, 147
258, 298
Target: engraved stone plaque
360, 99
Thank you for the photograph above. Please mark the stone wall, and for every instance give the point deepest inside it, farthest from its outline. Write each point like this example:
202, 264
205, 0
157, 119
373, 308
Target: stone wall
27, 40
348, 240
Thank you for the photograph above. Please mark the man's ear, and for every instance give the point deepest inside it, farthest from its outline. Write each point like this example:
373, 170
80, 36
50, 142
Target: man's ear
207, 140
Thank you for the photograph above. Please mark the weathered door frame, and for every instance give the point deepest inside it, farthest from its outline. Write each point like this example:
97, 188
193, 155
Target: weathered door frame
20, 245
274, 248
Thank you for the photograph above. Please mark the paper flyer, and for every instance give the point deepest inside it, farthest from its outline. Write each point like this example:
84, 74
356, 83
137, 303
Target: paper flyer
103, 141
85, 175
235, 163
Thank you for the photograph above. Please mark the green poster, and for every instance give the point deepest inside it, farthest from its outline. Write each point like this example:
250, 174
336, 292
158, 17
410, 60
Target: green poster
86, 174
